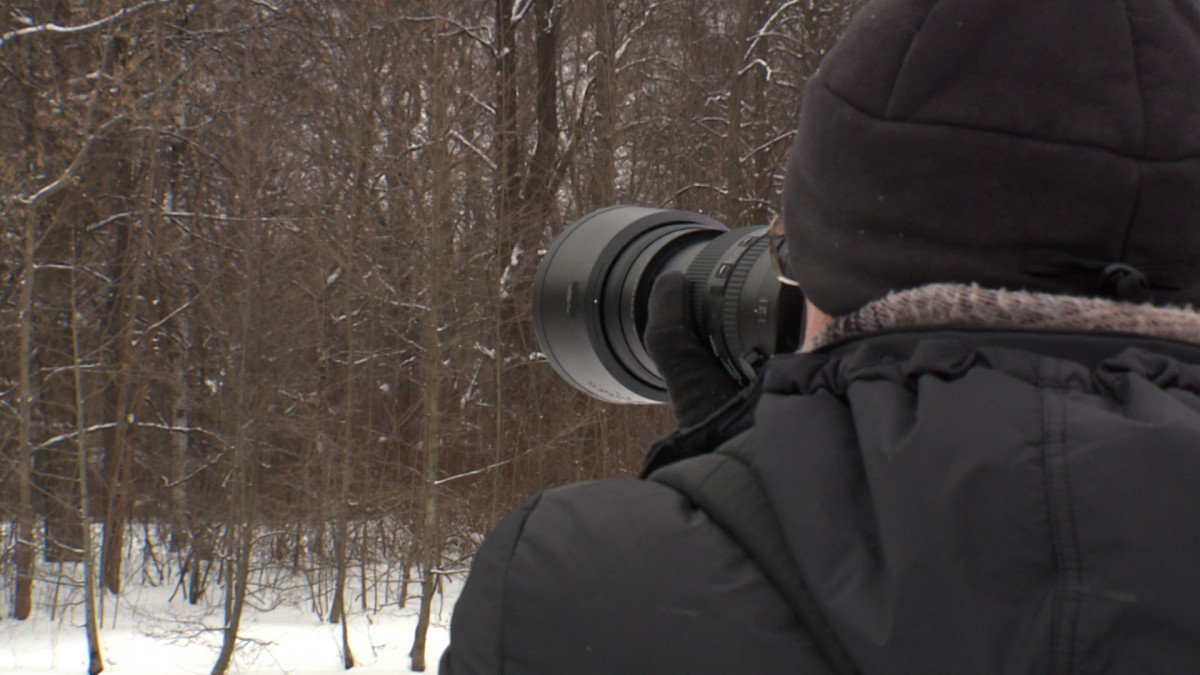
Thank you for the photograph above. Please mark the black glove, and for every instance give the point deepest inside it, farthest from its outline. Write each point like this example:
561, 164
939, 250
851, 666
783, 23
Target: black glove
696, 382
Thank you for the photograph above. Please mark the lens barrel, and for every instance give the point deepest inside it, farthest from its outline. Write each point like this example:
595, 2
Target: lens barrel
592, 289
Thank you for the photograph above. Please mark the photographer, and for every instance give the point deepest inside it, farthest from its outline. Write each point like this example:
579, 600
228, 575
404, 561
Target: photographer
986, 457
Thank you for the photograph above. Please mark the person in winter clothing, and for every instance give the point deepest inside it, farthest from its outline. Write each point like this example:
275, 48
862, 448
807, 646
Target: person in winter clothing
986, 456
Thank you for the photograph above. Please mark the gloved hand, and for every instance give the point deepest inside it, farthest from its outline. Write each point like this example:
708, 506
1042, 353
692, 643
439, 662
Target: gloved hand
697, 384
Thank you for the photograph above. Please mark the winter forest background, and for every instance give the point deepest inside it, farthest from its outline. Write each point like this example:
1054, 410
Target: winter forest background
265, 269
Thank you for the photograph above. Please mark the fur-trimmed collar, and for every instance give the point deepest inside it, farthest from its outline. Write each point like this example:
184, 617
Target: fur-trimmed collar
959, 306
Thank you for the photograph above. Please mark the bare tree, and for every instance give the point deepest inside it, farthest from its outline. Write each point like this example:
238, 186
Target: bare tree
24, 555
95, 661
437, 235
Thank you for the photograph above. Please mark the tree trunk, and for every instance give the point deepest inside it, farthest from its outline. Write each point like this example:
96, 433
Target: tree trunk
507, 153
338, 611
734, 187
543, 179
430, 539
95, 661
118, 458
24, 554
604, 170
438, 255
236, 581
243, 482
180, 520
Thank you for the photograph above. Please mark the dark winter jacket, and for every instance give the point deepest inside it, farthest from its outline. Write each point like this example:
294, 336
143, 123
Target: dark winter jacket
958, 501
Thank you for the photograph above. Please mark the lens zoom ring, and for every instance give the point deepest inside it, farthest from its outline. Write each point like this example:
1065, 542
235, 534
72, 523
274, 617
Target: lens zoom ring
733, 295
698, 275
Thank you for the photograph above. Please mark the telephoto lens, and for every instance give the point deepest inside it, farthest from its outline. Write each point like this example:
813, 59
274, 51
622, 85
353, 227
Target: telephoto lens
592, 290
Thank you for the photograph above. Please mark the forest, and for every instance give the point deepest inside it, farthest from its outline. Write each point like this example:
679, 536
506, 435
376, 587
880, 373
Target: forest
265, 265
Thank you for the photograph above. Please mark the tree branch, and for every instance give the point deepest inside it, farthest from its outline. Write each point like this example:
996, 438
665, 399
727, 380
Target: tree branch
67, 30
68, 176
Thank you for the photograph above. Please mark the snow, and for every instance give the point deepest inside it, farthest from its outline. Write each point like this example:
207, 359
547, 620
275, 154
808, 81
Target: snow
146, 632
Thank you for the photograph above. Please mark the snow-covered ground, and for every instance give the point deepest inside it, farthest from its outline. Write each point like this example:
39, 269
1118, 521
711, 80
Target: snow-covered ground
145, 632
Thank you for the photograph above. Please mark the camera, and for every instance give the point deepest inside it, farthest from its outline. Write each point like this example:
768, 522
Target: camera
592, 290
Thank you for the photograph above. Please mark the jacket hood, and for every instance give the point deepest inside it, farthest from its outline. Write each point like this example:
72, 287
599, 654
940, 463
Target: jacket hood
991, 502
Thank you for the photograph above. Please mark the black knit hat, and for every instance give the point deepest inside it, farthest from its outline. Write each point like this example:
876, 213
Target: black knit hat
1050, 145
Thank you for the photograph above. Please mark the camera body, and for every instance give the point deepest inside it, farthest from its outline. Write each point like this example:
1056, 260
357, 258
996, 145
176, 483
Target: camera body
592, 289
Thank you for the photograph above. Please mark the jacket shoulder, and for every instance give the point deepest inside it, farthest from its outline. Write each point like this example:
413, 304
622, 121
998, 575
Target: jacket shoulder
620, 576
